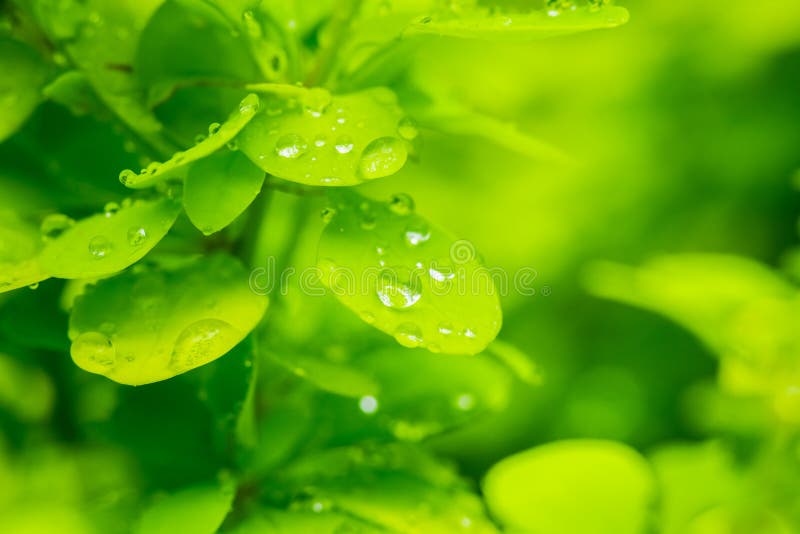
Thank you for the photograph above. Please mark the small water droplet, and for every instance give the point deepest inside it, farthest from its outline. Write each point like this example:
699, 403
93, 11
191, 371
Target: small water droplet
407, 129
368, 404
320, 141
34, 286
93, 352
213, 128
468, 333
397, 288
409, 335
233, 145
382, 157
199, 138
445, 328
54, 225
316, 100
417, 233
291, 146
99, 246
327, 214
110, 209
249, 104
401, 204
344, 145
136, 236
368, 317
125, 176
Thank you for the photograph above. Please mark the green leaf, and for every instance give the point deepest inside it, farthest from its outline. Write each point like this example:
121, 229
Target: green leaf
338, 141
196, 510
188, 41
74, 91
109, 242
219, 136
144, 327
407, 277
576, 486
517, 361
20, 87
282, 522
523, 27
328, 375
20, 243
395, 487
219, 188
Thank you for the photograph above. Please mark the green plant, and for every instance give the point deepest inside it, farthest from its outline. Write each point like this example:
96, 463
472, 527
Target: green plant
245, 117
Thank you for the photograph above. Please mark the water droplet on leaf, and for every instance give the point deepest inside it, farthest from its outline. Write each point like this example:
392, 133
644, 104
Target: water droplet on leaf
401, 204
409, 335
136, 236
54, 225
398, 289
94, 352
417, 233
382, 157
407, 129
99, 246
291, 146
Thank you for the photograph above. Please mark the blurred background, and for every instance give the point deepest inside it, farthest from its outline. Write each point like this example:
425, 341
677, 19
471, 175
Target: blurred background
681, 131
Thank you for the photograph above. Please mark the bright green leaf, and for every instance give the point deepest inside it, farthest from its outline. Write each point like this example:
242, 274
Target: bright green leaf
109, 242
143, 327
196, 510
407, 277
24, 75
219, 136
572, 487
219, 188
338, 141
523, 27
20, 243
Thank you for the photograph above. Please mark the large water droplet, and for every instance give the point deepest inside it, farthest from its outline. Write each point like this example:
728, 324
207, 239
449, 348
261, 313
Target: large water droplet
93, 352
407, 129
99, 246
409, 335
398, 289
201, 342
382, 157
54, 225
291, 146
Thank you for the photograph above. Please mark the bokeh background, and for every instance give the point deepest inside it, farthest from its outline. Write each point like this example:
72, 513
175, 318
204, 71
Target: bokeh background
681, 131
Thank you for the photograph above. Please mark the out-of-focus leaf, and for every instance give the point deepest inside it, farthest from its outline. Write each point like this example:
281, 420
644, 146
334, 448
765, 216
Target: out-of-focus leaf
196, 510
407, 277
330, 376
219, 188
219, 136
109, 242
331, 141
20, 87
523, 26
189, 31
518, 362
25, 391
579, 486
20, 243
283, 522
74, 91
395, 488
139, 328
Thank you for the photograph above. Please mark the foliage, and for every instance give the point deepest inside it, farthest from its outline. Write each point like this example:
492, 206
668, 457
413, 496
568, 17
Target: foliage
263, 215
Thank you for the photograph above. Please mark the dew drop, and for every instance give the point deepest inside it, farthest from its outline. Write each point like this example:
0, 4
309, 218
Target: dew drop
199, 138
54, 225
202, 342
382, 157
213, 128
445, 328
398, 289
110, 209
401, 204
125, 176
34, 286
136, 236
407, 129
291, 146
93, 352
368, 404
232, 145
368, 317
417, 233
249, 104
99, 246
320, 141
344, 145
316, 100
409, 335
327, 214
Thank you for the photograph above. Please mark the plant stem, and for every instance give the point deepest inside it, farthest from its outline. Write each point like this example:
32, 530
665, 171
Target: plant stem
344, 12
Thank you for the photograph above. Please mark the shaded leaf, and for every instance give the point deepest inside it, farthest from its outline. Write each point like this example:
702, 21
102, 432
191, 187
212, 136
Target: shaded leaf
196, 510
219, 188
20, 88
143, 327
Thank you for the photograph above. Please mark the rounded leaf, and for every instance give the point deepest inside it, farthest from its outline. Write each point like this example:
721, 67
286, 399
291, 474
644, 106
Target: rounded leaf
144, 327
330, 141
575, 486
407, 277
